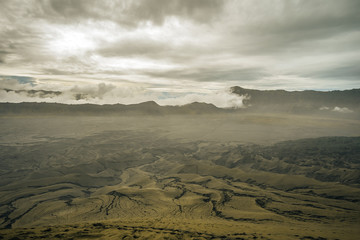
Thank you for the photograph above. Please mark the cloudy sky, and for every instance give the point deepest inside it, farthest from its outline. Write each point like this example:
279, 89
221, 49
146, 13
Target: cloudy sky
174, 51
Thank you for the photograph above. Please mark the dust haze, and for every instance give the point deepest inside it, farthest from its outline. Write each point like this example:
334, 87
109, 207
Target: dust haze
178, 172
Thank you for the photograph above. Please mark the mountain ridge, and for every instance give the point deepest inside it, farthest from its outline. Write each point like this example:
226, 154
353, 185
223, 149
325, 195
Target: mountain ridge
300, 101
149, 107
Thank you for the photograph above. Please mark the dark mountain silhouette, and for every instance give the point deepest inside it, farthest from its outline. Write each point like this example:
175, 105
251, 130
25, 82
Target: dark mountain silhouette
148, 108
33, 93
312, 102
300, 101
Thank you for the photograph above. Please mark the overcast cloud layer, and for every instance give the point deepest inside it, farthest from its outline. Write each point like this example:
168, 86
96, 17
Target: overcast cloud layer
175, 51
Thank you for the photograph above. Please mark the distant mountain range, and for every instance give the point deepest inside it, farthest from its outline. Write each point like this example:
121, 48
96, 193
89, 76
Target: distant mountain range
345, 101
148, 108
331, 102
34, 93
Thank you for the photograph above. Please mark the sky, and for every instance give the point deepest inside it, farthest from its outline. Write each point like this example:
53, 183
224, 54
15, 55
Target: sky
174, 51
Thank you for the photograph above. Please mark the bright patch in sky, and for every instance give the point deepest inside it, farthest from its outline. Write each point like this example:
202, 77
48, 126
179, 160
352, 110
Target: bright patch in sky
67, 42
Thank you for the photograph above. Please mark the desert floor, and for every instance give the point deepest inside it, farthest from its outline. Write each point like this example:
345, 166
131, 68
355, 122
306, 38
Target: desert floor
229, 176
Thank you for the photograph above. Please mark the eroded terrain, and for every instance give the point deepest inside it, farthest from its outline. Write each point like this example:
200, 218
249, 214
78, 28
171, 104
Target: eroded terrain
225, 177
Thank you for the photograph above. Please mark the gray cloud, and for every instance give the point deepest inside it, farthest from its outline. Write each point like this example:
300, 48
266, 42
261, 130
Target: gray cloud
211, 74
350, 71
13, 90
90, 92
135, 47
182, 45
157, 10
288, 24
3, 55
125, 12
